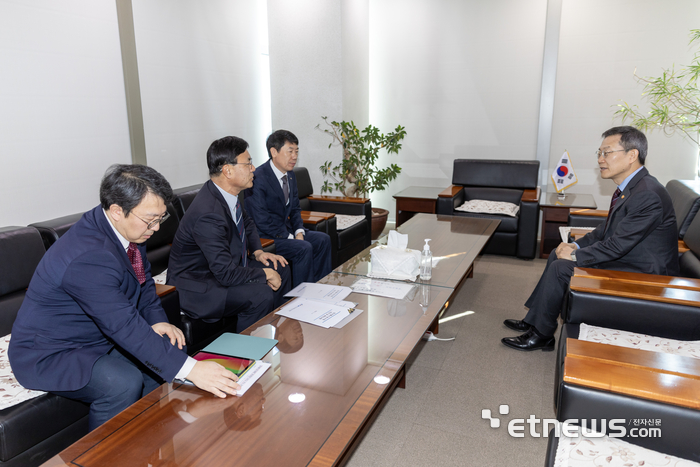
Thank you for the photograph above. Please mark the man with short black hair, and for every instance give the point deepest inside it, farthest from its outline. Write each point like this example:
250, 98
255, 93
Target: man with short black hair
210, 259
639, 235
91, 326
273, 202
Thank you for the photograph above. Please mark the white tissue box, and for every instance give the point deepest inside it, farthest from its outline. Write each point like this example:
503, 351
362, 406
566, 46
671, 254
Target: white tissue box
394, 263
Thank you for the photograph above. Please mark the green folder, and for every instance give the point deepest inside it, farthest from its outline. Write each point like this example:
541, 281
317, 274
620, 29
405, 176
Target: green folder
237, 345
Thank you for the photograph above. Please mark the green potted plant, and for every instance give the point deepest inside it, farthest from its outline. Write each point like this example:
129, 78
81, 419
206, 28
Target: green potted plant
673, 98
357, 174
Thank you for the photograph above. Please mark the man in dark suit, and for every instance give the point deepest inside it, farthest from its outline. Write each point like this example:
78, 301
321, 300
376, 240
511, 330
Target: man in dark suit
91, 326
273, 202
639, 235
210, 262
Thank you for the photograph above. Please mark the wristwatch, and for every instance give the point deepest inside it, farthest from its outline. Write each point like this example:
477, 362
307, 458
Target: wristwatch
573, 256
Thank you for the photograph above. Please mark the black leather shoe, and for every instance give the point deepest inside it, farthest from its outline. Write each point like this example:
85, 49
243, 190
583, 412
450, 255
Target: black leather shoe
529, 341
517, 325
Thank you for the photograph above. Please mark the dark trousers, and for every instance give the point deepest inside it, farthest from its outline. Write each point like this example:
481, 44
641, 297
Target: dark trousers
546, 300
116, 382
310, 258
253, 300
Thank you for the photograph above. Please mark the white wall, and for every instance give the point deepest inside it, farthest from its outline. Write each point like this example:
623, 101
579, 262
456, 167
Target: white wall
306, 74
200, 74
463, 77
62, 106
601, 44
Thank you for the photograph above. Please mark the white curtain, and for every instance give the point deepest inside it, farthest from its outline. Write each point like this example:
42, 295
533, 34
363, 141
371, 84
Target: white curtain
202, 69
62, 109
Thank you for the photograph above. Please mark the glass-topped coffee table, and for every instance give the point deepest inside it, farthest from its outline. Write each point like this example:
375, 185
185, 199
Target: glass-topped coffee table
323, 389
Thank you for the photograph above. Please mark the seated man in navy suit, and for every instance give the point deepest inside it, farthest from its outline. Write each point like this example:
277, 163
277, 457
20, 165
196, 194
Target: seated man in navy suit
639, 235
91, 326
210, 261
273, 202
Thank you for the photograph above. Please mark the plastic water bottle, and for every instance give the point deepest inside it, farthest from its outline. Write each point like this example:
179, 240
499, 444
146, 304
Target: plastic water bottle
426, 262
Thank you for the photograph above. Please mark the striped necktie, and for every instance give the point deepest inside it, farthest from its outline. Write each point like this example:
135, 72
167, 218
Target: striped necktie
241, 234
614, 199
285, 189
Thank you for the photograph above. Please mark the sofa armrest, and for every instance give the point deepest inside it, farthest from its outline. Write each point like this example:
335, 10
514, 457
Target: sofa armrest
450, 192
531, 195
651, 280
528, 219
450, 198
338, 199
315, 217
589, 212
170, 301
636, 290
667, 312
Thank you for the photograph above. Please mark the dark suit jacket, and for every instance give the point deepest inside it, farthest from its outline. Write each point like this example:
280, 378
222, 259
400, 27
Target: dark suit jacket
83, 298
205, 258
265, 203
641, 234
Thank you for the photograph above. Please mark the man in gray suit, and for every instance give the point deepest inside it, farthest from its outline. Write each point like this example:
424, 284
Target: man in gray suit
639, 235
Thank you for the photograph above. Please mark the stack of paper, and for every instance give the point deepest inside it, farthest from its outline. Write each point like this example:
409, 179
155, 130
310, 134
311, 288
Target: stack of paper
320, 291
320, 313
389, 289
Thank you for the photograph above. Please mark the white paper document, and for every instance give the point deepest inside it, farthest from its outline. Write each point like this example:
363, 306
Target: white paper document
389, 289
250, 376
332, 293
320, 313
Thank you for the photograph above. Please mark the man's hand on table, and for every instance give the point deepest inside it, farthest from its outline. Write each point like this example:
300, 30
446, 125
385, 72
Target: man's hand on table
214, 378
173, 332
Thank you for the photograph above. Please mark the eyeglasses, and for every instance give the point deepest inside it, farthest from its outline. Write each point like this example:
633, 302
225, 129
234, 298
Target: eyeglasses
249, 164
605, 154
154, 222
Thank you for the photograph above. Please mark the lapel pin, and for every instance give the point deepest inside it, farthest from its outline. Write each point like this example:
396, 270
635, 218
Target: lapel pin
623, 196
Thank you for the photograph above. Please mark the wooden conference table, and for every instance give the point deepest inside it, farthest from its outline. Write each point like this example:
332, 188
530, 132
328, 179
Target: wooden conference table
345, 375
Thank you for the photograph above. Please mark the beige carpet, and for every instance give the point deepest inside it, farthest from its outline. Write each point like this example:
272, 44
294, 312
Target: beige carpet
436, 420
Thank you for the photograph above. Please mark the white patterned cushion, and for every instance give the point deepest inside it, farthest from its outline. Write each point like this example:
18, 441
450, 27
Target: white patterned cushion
594, 452
489, 207
345, 221
11, 392
639, 341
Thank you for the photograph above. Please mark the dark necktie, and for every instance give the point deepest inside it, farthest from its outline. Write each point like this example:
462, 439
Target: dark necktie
136, 262
285, 188
614, 199
241, 234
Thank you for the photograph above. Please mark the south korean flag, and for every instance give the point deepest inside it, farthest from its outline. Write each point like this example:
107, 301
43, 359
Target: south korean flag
563, 176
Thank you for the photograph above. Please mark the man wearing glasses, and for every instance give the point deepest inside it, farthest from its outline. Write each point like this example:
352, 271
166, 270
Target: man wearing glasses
639, 235
216, 260
91, 326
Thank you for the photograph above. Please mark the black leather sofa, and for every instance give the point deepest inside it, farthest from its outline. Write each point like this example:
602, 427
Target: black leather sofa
345, 243
680, 321
34, 430
499, 180
685, 197
679, 428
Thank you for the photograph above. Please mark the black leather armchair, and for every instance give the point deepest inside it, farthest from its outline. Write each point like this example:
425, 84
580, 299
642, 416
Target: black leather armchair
184, 197
685, 197
498, 180
54, 229
35, 430
679, 426
346, 243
